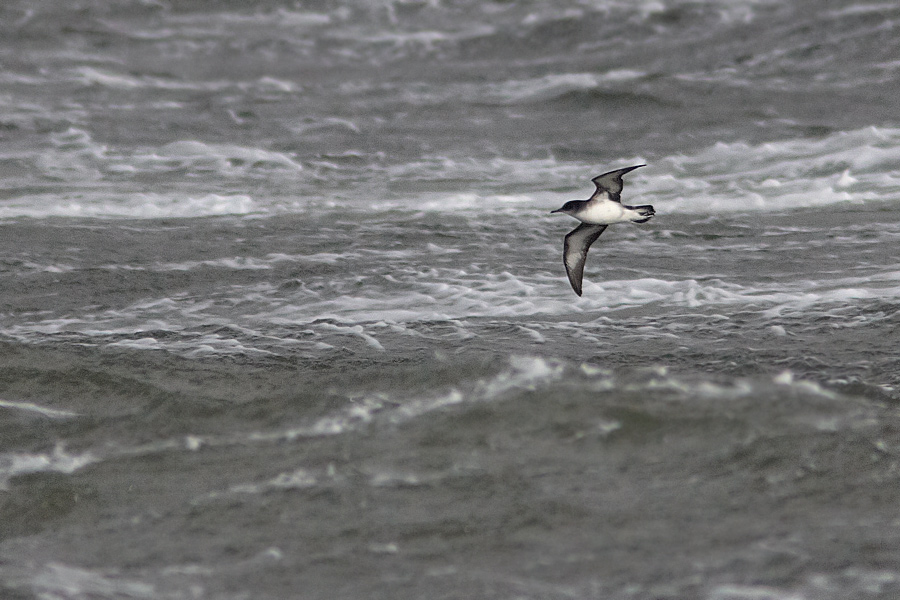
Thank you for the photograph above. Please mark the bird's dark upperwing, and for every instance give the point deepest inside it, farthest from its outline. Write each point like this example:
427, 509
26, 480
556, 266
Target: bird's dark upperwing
610, 184
575, 250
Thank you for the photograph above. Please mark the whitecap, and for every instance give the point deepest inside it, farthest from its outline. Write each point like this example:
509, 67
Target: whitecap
752, 592
34, 408
225, 158
525, 372
846, 179
127, 206
777, 176
92, 76
514, 91
58, 461
355, 330
297, 479
57, 580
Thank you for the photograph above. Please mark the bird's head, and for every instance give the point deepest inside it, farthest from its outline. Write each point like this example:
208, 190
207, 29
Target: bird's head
567, 208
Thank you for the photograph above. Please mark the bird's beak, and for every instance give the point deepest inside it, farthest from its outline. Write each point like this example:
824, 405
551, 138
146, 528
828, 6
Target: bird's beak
557, 210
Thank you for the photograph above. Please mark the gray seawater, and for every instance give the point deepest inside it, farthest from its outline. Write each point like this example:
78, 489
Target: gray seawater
284, 315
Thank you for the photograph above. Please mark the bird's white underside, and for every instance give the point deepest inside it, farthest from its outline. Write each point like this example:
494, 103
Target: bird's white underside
606, 212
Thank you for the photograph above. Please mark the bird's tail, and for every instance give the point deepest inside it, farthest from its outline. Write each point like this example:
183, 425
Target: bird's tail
646, 211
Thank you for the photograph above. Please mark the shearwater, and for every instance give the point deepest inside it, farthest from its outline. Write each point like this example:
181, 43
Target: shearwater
596, 213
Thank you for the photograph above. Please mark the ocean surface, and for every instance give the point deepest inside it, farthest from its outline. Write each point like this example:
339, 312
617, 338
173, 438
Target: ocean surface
283, 313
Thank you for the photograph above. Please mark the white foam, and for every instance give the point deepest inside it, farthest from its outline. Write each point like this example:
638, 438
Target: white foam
354, 330
227, 159
237, 263
441, 295
367, 316
293, 480
526, 372
59, 461
861, 9
752, 592
427, 40
528, 90
56, 580
517, 91
34, 408
130, 206
90, 76
845, 167
416, 407
84, 169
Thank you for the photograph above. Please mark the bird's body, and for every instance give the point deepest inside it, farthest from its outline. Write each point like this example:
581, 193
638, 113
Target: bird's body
606, 212
603, 208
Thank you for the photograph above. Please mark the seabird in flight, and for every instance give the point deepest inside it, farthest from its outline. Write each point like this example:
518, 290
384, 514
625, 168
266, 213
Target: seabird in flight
603, 208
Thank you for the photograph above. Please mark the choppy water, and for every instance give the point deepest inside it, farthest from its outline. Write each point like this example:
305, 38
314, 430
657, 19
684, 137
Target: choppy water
284, 314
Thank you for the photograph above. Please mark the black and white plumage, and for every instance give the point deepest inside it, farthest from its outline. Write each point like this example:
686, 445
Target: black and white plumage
603, 208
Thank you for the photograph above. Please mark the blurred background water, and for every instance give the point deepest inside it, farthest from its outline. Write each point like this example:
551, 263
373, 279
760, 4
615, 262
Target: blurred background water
284, 314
